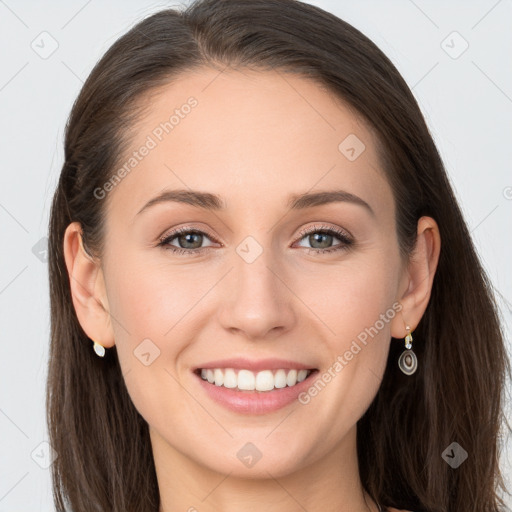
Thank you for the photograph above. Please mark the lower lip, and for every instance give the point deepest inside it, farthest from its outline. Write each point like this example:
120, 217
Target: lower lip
255, 402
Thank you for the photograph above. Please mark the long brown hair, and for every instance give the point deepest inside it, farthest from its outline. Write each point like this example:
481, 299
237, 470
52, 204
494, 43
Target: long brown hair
105, 461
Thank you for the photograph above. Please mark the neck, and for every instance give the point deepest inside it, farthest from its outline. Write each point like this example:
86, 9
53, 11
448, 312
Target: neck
331, 482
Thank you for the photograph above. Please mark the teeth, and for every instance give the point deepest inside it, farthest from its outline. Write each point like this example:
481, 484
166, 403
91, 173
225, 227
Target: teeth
218, 376
246, 380
291, 378
230, 379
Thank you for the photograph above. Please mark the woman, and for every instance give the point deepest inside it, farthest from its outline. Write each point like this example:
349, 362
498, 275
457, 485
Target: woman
247, 231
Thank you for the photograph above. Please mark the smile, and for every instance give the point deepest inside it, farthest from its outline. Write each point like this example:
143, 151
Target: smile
247, 380
255, 392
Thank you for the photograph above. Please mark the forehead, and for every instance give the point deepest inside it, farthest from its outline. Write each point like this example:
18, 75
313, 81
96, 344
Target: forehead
249, 136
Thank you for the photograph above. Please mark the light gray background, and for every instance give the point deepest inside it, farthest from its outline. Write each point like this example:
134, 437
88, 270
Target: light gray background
466, 100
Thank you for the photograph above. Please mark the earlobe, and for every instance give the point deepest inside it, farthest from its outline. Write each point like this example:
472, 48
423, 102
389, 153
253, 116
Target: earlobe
87, 286
418, 278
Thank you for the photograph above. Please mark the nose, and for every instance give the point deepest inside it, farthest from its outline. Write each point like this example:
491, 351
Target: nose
258, 304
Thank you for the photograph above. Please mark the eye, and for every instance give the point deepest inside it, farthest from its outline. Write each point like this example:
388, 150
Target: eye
189, 241
322, 237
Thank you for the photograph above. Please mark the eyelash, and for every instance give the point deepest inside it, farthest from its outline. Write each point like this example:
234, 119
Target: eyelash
346, 244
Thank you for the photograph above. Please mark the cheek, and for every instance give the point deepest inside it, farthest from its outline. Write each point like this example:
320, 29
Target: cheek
356, 305
351, 296
143, 309
151, 298
149, 308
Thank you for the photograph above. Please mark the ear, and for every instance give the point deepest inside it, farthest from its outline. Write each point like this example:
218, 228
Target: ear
87, 288
416, 286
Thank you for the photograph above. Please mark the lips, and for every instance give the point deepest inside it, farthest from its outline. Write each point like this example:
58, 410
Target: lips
241, 363
274, 383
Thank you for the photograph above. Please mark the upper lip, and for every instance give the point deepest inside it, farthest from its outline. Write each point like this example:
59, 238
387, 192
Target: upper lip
253, 365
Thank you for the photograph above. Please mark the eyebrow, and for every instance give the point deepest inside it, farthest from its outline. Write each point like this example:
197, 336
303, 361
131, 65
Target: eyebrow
214, 202
308, 200
203, 200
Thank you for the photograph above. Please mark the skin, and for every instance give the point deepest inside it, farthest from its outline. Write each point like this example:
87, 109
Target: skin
254, 138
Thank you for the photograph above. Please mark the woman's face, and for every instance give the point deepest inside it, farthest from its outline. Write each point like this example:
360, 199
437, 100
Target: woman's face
260, 278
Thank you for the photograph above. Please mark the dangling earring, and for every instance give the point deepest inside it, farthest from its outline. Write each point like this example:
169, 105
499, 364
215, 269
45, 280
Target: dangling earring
408, 362
99, 349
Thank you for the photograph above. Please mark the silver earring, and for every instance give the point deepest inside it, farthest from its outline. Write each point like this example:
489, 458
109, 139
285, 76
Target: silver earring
99, 349
408, 362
